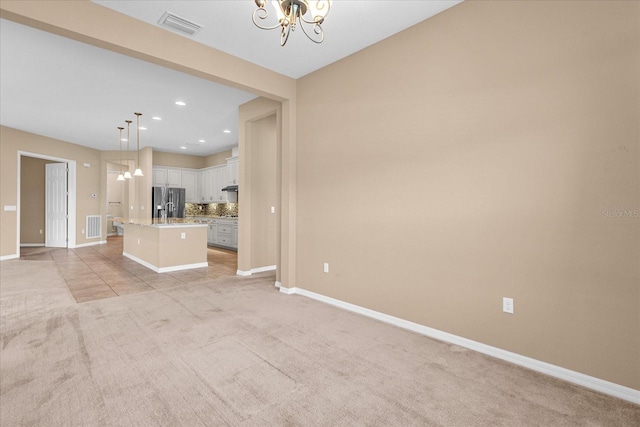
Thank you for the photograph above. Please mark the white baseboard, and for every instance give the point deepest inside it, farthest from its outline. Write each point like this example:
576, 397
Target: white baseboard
32, 245
593, 383
7, 257
84, 245
256, 270
278, 284
165, 269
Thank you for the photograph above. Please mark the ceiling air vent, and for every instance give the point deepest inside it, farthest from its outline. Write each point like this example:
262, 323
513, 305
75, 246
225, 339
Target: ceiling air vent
177, 23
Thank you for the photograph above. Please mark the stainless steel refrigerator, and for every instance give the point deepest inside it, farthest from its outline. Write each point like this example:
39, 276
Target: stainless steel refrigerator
168, 202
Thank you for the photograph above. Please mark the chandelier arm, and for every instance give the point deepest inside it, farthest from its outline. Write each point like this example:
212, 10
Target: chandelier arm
321, 20
284, 35
262, 13
317, 29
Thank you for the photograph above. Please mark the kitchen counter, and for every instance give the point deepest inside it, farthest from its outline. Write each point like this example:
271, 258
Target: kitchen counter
166, 245
210, 217
167, 223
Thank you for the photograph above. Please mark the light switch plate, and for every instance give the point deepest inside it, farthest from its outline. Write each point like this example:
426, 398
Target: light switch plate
507, 305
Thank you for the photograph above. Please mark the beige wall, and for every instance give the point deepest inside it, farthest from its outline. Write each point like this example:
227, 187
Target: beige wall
189, 161
263, 192
88, 180
178, 160
217, 158
259, 147
474, 157
32, 200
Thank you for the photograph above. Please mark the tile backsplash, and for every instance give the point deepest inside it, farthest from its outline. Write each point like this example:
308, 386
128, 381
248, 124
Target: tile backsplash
211, 209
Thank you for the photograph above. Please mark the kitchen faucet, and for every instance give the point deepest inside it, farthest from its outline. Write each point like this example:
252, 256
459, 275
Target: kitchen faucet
166, 207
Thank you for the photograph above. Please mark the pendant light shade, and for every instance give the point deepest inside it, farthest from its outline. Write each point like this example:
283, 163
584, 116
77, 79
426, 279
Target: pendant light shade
138, 171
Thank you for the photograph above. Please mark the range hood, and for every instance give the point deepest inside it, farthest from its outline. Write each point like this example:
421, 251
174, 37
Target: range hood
231, 189
232, 193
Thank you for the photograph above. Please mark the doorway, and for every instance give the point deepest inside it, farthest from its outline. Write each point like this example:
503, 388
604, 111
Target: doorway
37, 224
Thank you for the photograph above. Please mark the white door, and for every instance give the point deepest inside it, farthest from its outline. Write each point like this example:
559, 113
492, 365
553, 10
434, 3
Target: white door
56, 205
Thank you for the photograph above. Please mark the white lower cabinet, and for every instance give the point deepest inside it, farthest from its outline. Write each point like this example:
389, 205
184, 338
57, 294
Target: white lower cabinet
234, 236
223, 232
212, 233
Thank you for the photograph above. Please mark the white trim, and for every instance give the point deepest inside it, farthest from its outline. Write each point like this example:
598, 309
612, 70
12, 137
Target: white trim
183, 267
32, 245
291, 291
256, 270
277, 284
84, 245
165, 269
263, 269
587, 381
7, 257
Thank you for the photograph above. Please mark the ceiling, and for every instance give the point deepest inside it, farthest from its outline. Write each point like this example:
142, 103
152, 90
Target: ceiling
64, 89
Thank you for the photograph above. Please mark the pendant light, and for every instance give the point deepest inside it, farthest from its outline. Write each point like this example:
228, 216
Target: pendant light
138, 171
120, 175
127, 174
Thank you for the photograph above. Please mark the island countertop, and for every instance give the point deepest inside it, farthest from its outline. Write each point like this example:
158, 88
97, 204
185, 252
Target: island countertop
167, 223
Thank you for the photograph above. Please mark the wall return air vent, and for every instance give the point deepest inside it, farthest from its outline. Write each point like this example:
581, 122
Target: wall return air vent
180, 24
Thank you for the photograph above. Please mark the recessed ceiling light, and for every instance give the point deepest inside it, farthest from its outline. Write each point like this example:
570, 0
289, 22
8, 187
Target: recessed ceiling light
183, 147
124, 140
181, 103
156, 118
142, 128
226, 131
201, 140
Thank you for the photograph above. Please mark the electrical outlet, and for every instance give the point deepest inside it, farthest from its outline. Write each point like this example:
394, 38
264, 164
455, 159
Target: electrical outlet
83, 231
138, 240
325, 267
183, 235
40, 231
273, 209
507, 305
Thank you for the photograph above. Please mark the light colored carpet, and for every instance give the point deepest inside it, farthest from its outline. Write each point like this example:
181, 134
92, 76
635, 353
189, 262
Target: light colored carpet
236, 352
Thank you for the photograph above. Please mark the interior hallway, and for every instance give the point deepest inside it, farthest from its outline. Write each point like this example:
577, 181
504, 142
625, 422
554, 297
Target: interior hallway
101, 271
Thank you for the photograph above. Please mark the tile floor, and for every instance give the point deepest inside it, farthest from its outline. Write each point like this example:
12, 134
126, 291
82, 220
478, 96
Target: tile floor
98, 272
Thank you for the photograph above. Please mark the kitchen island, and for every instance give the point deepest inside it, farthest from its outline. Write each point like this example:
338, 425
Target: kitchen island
165, 245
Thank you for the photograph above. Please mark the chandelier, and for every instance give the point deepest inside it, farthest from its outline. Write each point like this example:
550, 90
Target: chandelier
310, 12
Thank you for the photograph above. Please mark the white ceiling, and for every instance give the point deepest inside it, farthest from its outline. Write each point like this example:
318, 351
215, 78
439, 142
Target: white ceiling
60, 88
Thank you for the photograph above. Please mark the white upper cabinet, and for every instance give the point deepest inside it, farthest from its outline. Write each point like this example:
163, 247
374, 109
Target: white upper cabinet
190, 185
232, 171
159, 177
205, 187
167, 177
219, 182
